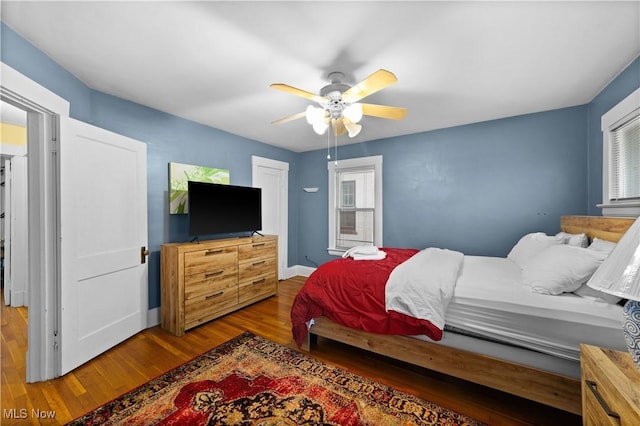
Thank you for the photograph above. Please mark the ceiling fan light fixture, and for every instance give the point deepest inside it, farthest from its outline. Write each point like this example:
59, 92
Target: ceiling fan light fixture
317, 118
314, 114
320, 127
353, 112
352, 128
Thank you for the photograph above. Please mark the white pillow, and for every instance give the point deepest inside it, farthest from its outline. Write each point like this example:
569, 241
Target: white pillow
602, 246
560, 268
597, 295
530, 245
578, 240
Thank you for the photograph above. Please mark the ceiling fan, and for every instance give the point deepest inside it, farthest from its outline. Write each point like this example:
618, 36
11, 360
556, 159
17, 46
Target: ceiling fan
339, 106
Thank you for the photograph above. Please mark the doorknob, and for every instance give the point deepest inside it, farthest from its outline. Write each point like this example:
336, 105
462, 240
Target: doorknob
143, 254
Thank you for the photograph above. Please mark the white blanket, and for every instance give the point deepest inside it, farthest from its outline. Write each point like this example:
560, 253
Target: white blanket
422, 286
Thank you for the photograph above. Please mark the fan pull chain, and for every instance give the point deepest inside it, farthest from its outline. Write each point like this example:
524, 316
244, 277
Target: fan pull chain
335, 161
328, 144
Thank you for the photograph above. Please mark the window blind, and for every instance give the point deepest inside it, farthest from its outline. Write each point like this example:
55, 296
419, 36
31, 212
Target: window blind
624, 182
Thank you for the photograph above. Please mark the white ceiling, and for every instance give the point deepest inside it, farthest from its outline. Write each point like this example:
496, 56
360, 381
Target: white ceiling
456, 62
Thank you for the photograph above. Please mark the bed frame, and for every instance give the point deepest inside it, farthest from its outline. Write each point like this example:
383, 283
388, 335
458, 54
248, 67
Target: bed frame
545, 387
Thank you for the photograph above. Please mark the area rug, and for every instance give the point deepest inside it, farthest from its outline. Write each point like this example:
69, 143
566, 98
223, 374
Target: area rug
253, 381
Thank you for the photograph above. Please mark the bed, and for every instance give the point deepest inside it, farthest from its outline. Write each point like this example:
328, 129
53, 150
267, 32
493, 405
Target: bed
540, 361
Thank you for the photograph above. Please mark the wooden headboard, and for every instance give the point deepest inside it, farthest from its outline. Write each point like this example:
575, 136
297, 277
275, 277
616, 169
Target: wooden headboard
603, 227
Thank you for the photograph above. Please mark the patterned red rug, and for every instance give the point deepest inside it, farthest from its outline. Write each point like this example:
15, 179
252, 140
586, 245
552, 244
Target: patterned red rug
252, 381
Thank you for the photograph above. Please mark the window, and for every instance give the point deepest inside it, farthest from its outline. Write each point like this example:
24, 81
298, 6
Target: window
348, 222
621, 158
347, 207
348, 195
355, 203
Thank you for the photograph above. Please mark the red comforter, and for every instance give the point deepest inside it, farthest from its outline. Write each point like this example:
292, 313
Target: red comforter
352, 293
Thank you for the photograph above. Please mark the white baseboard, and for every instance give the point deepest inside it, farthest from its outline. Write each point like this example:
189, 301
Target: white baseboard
19, 298
296, 270
153, 317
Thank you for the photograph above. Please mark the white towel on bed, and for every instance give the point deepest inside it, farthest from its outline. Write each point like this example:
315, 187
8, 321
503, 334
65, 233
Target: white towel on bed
423, 285
365, 253
378, 256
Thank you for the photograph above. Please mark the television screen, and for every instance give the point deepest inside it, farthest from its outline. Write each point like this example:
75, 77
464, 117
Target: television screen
223, 209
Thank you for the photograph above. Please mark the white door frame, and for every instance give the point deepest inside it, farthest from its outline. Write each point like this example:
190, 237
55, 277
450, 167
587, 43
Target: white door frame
43, 107
283, 219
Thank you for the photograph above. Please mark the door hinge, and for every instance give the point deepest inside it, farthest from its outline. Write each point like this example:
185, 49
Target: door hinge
143, 254
54, 128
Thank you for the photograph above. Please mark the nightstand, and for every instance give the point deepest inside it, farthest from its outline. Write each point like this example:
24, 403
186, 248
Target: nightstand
610, 387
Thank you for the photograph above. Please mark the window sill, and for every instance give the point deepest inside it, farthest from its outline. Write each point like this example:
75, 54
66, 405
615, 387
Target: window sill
335, 252
622, 210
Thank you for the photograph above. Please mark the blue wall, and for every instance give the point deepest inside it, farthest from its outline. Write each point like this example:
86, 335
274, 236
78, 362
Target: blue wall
475, 188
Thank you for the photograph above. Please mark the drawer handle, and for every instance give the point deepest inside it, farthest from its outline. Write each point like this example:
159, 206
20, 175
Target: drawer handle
211, 296
258, 263
594, 389
260, 281
213, 274
258, 245
210, 252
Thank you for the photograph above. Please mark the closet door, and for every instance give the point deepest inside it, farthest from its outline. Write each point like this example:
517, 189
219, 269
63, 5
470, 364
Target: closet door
103, 238
273, 177
16, 253
19, 236
6, 211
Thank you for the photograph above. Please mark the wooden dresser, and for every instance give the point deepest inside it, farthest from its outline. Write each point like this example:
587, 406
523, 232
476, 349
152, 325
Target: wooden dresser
205, 280
610, 387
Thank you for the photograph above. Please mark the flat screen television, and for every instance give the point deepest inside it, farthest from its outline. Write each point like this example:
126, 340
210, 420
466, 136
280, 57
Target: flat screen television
223, 209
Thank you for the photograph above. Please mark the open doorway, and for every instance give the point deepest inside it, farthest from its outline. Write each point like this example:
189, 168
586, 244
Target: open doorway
42, 108
84, 296
14, 231
13, 207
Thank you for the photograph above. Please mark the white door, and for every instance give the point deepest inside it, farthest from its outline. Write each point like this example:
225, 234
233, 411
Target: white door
273, 177
7, 232
103, 228
18, 240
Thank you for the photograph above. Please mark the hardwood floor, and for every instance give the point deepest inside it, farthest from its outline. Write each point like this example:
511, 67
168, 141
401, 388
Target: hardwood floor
154, 351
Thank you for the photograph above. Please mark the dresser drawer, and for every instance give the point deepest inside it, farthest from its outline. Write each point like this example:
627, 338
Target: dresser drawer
210, 282
257, 250
210, 260
610, 387
202, 308
593, 410
256, 268
259, 286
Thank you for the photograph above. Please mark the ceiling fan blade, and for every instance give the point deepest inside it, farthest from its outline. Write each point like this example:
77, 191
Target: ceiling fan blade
383, 111
338, 126
298, 92
375, 82
290, 118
